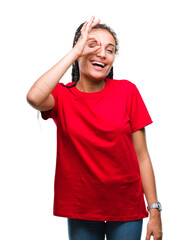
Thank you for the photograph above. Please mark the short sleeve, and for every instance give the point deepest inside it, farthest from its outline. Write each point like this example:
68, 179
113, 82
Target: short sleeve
139, 115
52, 113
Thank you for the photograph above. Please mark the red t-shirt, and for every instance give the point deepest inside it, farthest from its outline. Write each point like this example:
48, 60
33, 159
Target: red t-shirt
97, 172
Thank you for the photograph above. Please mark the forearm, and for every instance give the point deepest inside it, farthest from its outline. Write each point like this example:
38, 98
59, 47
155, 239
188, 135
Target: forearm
154, 226
148, 181
47, 82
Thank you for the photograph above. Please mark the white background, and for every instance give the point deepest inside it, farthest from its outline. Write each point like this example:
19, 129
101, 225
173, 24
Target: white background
154, 54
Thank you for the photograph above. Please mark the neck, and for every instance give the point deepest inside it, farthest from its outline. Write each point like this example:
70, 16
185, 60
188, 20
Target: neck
90, 86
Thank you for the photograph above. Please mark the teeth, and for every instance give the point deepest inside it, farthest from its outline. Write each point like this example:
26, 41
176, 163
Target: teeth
102, 64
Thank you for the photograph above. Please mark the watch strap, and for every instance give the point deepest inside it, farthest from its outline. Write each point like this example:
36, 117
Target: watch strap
155, 205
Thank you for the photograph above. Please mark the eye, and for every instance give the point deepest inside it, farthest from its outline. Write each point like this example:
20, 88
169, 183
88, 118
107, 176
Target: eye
110, 51
92, 44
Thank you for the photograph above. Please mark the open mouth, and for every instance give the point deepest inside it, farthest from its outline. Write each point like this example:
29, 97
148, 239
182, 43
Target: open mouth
98, 65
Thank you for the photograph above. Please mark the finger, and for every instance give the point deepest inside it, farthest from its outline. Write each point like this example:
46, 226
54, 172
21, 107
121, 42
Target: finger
93, 37
94, 49
148, 236
84, 26
95, 23
158, 237
92, 20
88, 28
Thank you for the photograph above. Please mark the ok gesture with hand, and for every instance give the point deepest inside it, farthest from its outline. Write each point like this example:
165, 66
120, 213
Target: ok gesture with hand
81, 46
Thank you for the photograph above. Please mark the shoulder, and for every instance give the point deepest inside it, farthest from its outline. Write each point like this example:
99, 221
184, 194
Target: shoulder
122, 83
64, 87
60, 84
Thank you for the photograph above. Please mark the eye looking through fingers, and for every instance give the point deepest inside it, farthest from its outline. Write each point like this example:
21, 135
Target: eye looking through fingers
92, 43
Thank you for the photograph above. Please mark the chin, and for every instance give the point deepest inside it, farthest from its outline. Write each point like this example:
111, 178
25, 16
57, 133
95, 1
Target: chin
99, 76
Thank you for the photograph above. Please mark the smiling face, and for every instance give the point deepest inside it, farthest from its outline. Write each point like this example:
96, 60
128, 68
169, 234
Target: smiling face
96, 66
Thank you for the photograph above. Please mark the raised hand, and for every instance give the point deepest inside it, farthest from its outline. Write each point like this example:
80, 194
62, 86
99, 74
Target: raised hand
82, 46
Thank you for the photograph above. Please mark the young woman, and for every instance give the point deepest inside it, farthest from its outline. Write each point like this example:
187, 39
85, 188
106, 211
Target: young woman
103, 166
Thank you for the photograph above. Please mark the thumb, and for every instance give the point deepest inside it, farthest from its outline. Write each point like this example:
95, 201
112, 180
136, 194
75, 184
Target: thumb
95, 49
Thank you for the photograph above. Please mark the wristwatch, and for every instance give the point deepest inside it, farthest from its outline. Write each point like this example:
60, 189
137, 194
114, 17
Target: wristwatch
155, 205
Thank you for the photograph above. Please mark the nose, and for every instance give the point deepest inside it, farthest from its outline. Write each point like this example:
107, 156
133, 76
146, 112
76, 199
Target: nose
101, 53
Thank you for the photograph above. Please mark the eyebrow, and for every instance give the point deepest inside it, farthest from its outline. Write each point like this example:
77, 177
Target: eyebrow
111, 45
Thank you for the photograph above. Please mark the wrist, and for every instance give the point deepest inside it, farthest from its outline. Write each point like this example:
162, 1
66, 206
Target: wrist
76, 52
154, 212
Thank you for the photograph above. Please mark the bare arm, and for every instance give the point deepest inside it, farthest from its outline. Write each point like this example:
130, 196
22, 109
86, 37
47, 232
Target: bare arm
148, 182
146, 170
39, 96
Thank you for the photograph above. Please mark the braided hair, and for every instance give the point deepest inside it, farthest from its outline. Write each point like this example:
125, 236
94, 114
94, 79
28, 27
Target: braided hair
75, 66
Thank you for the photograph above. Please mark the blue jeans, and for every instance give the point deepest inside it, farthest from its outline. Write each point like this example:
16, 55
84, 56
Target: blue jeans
79, 229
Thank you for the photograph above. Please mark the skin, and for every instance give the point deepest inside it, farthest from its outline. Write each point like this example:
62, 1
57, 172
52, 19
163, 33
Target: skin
95, 44
39, 96
154, 227
92, 79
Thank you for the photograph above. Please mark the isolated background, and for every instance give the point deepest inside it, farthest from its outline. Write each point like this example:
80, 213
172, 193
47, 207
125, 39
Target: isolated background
154, 54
